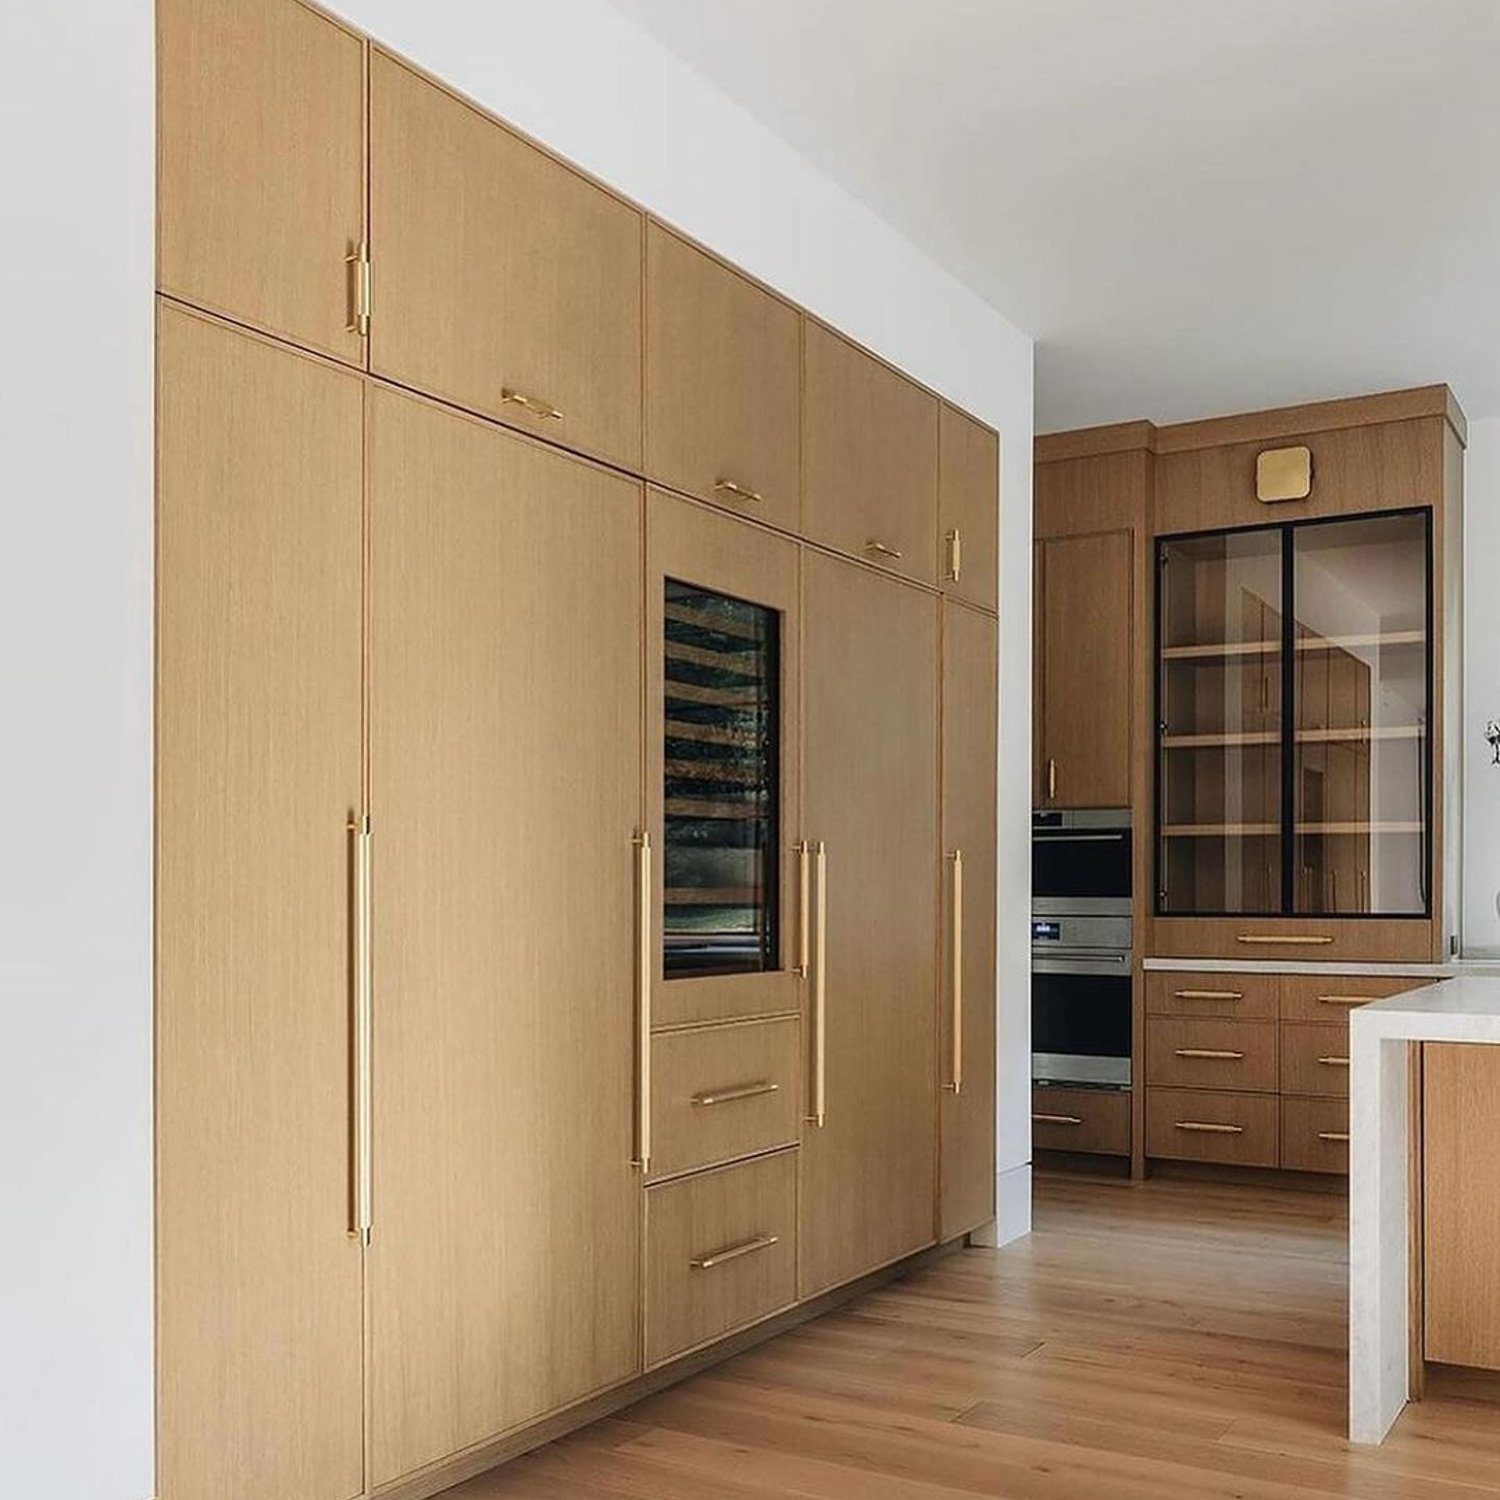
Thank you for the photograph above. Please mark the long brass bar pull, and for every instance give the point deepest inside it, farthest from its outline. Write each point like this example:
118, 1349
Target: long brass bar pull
538, 408
364, 1036
1208, 994
820, 987
1058, 1119
738, 491
956, 1085
735, 1094
358, 261
1343, 999
1051, 780
804, 907
1333, 1062
1278, 940
955, 554
643, 895
1340, 1136
876, 545
1211, 1054
734, 1252
1205, 1127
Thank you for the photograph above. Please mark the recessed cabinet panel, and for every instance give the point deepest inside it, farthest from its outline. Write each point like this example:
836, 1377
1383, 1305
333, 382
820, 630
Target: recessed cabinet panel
870, 458
968, 508
260, 166
723, 384
504, 280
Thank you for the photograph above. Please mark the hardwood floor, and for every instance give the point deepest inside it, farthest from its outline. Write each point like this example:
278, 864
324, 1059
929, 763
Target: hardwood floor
1148, 1342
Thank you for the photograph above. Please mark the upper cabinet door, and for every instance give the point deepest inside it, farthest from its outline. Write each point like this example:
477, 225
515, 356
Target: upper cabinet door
968, 508
1085, 623
870, 457
260, 166
723, 384
504, 280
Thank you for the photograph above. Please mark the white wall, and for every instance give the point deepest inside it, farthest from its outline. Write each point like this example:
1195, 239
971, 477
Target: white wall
75, 750
1481, 929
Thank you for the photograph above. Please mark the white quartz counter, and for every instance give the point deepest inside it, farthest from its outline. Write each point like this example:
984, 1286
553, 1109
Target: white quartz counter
1462, 1009
1424, 972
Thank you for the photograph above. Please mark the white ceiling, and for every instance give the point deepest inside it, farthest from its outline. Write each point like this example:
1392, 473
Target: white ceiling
1195, 206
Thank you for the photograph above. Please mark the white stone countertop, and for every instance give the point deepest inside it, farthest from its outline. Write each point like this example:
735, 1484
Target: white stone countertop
1457, 967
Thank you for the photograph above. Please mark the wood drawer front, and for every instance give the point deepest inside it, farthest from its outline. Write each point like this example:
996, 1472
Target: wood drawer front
1293, 939
723, 1092
1315, 1060
1328, 998
1096, 1120
1196, 1125
1194, 1054
1236, 997
721, 1252
1315, 1135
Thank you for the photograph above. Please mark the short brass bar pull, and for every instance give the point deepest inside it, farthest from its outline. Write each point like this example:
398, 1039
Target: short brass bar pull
537, 408
734, 1252
1269, 939
1344, 999
1210, 1054
644, 896
956, 1084
739, 1091
729, 487
1206, 1127
820, 988
358, 260
364, 1095
1051, 779
1208, 994
1333, 1062
955, 554
1057, 1119
875, 545
804, 906
1333, 1135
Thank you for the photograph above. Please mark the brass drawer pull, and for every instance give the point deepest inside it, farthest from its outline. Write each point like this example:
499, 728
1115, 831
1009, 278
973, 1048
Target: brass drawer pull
358, 261
729, 487
955, 554
1344, 999
1204, 1127
1333, 1135
1051, 780
874, 545
1333, 1062
734, 1252
1208, 994
537, 408
1291, 940
363, 1227
1210, 1054
1057, 1119
740, 1091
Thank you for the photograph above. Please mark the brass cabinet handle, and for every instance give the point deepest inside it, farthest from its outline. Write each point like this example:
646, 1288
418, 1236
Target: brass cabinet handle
729, 487
874, 545
1344, 999
1334, 1062
644, 896
358, 260
804, 906
732, 1095
1208, 994
364, 1035
1212, 1054
820, 988
1057, 1119
1290, 940
1051, 779
537, 408
957, 1084
734, 1252
1333, 1135
955, 554
1205, 1127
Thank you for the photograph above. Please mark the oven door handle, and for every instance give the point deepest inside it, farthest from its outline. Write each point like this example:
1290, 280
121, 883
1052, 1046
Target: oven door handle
1080, 963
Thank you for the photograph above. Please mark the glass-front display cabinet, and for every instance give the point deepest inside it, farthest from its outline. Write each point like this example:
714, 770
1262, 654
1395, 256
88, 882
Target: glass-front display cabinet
1294, 705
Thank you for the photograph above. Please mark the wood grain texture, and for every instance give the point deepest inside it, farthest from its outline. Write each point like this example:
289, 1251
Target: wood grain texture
505, 775
1314, 1135
1326, 997
1255, 1121
723, 383
1086, 495
966, 1121
1249, 1064
1094, 442
498, 268
870, 664
1391, 940
1090, 1120
260, 166
1241, 997
259, 1317
1315, 1060
869, 457
969, 507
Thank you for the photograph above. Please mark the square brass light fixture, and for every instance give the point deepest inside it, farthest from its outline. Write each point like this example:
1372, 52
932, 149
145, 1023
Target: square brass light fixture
1283, 474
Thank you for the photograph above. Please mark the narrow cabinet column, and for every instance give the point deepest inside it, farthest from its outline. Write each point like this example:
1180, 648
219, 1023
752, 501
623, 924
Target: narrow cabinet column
870, 675
505, 763
258, 776
966, 1054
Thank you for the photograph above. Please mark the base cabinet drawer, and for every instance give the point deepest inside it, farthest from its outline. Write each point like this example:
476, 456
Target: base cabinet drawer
1198, 1125
723, 1092
1293, 940
721, 1252
1315, 1060
1330, 998
1239, 1055
1093, 1120
1315, 1135
1210, 996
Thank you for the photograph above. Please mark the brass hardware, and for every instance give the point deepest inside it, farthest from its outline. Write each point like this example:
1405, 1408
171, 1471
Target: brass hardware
1051, 779
820, 990
1334, 1062
877, 546
543, 409
804, 906
358, 260
1302, 940
1343, 999
364, 1094
1204, 1127
957, 1085
1333, 1135
729, 487
1283, 474
1057, 1119
644, 897
740, 1091
955, 554
1211, 1054
734, 1252
1208, 994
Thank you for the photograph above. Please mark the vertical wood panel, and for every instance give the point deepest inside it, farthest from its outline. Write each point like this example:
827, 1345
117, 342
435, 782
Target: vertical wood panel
969, 504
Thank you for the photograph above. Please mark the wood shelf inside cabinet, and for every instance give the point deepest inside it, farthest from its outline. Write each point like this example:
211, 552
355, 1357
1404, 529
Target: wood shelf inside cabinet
1229, 740
1359, 828
1360, 734
1220, 830
1383, 639
1215, 652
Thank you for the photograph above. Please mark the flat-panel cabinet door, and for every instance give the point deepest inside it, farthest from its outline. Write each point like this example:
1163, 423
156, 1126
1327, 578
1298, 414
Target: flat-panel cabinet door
723, 384
870, 457
723, 754
1084, 655
870, 673
504, 281
260, 163
966, 1053
969, 508
505, 773
260, 1316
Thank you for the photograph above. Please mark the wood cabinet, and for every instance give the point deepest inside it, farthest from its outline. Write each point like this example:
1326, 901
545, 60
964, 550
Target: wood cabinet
968, 508
723, 384
505, 733
260, 1313
260, 166
1096, 1121
870, 663
966, 1031
1205, 1125
870, 457
1083, 651
506, 282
